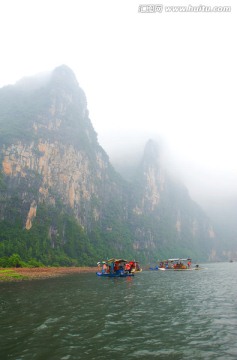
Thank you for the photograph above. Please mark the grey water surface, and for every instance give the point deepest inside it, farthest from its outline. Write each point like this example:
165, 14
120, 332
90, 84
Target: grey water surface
154, 315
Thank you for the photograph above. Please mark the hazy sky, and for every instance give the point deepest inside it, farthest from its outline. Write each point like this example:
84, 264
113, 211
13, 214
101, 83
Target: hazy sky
169, 74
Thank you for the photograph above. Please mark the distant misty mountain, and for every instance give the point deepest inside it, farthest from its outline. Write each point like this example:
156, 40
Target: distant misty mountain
223, 214
63, 203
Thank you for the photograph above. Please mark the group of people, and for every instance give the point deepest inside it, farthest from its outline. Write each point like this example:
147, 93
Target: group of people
115, 267
175, 265
180, 265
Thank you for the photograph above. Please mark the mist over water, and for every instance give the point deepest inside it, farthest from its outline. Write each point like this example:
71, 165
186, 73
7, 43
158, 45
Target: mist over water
155, 315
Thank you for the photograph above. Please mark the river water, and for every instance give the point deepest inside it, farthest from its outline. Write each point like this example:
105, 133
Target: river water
154, 315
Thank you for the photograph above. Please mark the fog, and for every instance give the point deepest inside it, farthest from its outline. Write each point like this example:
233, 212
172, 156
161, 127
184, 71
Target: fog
208, 184
169, 75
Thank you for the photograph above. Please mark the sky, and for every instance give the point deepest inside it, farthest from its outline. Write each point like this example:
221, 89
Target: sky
168, 74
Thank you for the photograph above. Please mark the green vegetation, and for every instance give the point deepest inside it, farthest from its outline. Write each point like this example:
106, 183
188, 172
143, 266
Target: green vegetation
16, 261
55, 239
9, 274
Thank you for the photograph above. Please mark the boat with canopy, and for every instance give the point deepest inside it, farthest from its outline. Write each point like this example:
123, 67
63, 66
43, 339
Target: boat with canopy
114, 268
176, 264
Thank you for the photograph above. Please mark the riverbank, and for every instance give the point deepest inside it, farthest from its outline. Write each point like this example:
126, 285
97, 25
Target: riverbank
16, 274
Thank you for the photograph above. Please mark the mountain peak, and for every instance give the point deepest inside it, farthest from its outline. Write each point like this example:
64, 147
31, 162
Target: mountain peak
64, 71
63, 75
151, 152
151, 148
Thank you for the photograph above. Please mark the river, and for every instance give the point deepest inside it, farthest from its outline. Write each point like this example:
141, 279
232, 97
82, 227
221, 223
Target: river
154, 315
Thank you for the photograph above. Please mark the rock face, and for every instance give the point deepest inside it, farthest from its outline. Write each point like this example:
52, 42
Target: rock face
61, 167
166, 218
51, 158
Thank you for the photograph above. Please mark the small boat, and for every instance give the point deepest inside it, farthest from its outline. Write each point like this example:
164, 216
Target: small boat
178, 264
114, 268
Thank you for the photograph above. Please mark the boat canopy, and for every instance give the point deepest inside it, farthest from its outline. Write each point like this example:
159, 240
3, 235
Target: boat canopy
178, 259
116, 260
113, 260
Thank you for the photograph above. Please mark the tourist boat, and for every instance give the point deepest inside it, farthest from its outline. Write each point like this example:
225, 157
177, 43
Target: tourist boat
177, 264
114, 268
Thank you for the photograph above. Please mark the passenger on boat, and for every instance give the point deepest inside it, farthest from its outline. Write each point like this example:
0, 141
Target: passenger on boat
121, 269
111, 270
128, 267
104, 268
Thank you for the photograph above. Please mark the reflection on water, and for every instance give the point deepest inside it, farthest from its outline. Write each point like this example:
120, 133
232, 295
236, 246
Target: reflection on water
155, 315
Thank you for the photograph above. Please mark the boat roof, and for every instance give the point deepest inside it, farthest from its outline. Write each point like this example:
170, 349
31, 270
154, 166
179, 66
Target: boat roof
116, 260
179, 259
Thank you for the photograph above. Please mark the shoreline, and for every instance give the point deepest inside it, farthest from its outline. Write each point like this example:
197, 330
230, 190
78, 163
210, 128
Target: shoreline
16, 274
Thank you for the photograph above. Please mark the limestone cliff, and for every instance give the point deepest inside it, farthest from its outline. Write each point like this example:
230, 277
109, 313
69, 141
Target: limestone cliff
62, 150
168, 216
64, 171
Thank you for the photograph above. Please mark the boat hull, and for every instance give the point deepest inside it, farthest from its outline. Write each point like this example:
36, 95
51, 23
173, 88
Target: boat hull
114, 275
191, 269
